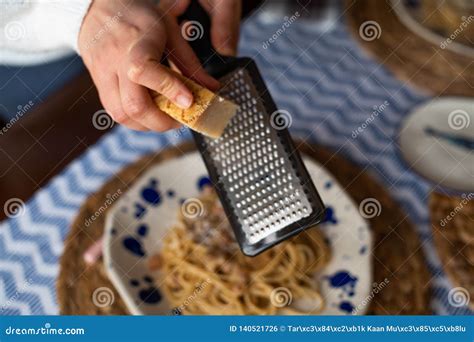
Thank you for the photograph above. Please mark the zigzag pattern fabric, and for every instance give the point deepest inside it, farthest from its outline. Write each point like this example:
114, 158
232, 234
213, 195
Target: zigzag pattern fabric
330, 87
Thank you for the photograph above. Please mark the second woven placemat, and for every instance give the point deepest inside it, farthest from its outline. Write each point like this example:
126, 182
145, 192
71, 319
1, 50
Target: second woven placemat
452, 219
410, 57
398, 260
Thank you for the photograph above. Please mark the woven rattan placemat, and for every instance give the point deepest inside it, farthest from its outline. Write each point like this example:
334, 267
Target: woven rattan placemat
408, 55
397, 254
452, 218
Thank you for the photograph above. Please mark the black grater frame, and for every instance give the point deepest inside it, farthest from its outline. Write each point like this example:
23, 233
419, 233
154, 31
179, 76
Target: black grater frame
317, 205
219, 66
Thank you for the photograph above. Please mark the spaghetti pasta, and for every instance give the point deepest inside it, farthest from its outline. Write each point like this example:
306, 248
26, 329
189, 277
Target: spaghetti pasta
202, 271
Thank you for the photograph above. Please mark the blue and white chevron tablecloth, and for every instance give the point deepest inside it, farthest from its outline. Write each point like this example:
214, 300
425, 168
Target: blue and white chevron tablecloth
328, 84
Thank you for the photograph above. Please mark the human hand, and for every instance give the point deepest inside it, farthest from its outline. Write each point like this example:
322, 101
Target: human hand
225, 21
122, 46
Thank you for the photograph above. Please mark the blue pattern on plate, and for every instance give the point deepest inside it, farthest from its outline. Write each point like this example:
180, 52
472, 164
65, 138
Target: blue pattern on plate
345, 281
346, 306
134, 243
329, 215
326, 106
151, 193
147, 292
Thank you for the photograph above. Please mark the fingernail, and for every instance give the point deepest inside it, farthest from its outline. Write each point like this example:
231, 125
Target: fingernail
184, 101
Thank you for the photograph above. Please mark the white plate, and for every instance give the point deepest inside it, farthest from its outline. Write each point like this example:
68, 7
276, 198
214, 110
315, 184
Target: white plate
427, 141
138, 221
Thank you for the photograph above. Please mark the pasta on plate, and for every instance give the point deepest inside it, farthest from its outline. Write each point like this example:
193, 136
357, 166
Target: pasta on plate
201, 270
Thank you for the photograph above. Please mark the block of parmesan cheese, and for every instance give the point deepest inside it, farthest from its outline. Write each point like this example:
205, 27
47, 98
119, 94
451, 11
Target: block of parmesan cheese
209, 114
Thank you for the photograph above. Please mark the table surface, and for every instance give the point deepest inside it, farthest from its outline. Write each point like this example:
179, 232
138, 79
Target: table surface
327, 83
29, 151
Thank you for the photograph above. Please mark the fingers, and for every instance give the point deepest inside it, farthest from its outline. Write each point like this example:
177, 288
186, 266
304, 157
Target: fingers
125, 62
225, 23
139, 106
145, 69
183, 56
110, 97
173, 7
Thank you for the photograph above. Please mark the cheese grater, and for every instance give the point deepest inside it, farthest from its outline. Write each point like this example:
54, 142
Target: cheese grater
257, 172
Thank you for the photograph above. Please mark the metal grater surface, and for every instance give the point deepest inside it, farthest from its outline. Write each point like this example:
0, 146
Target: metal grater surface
261, 182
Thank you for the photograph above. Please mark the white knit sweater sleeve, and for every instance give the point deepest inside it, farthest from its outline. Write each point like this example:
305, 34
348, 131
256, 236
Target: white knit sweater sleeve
38, 31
